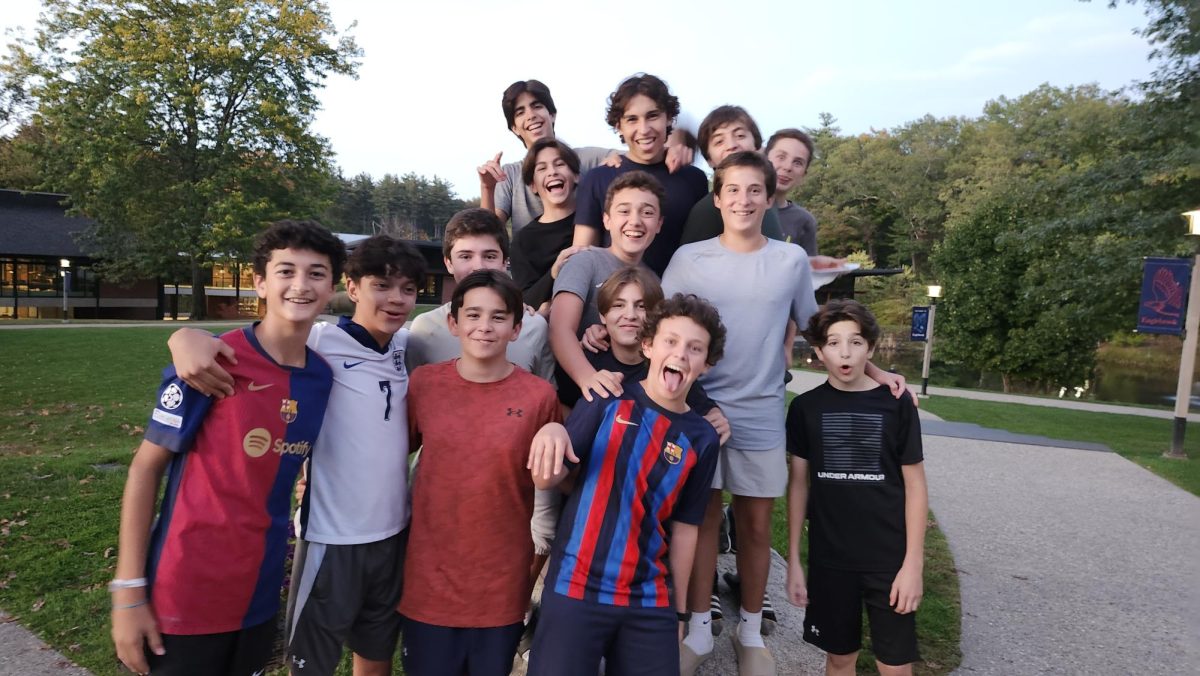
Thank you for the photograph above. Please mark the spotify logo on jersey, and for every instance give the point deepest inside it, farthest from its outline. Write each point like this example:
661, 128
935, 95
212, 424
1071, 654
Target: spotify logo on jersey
257, 442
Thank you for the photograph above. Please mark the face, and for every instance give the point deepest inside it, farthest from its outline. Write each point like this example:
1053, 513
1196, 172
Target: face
382, 304
626, 315
677, 355
845, 355
790, 159
484, 326
531, 120
632, 222
643, 125
297, 285
553, 180
728, 139
474, 252
742, 200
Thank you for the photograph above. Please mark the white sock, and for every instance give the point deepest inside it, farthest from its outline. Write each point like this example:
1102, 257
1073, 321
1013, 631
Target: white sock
700, 638
749, 629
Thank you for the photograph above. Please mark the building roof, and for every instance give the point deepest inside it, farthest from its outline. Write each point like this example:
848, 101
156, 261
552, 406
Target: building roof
36, 224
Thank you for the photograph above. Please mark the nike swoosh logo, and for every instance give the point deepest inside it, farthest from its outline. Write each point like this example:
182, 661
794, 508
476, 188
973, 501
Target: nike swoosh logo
350, 365
253, 387
625, 422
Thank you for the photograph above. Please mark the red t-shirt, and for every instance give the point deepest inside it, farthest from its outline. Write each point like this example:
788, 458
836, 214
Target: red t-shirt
469, 547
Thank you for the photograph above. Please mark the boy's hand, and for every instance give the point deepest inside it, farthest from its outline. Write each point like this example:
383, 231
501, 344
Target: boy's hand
612, 160
719, 422
550, 445
490, 173
898, 385
679, 153
562, 259
797, 588
906, 590
602, 383
595, 338
194, 354
132, 630
825, 262
301, 486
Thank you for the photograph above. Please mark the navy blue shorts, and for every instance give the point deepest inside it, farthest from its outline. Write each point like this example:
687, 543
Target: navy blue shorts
238, 653
833, 619
432, 650
573, 635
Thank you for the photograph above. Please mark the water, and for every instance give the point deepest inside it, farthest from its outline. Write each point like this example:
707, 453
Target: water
1115, 384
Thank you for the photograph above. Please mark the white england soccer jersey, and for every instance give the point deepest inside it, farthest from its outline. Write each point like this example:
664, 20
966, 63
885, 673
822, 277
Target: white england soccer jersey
358, 483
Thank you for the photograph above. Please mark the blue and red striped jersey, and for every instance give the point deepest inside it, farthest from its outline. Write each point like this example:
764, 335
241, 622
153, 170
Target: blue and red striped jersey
217, 550
641, 466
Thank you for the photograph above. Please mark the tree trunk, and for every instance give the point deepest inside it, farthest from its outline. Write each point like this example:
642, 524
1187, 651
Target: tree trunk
1006, 381
199, 301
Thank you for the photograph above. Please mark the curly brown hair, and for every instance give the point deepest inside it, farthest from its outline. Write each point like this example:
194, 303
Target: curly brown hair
841, 310
696, 309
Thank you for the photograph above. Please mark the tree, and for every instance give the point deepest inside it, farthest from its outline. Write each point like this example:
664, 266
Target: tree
181, 128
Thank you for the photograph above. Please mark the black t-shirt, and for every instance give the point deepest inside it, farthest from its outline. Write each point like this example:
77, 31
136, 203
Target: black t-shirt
569, 394
534, 249
855, 444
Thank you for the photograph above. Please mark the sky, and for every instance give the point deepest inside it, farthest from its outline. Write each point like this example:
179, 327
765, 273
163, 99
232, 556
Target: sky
427, 95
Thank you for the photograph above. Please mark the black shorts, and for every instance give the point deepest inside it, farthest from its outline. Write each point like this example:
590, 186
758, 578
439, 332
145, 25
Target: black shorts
238, 653
345, 594
572, 635
833, 619
432, 650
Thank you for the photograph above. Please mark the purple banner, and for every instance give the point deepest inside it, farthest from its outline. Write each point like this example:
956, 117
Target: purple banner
1164, 295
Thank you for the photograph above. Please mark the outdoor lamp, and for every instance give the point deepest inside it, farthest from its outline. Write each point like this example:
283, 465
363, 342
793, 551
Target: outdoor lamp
1187, 362
65, 273
935, 292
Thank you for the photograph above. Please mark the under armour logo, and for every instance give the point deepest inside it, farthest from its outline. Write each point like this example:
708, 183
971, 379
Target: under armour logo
298, 662
515, 412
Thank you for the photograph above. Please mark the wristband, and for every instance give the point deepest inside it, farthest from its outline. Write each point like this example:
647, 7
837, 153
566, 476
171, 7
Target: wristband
132, 583
132, 605
684, 617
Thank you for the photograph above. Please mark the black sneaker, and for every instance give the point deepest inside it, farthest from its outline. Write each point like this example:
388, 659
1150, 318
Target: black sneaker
714, 607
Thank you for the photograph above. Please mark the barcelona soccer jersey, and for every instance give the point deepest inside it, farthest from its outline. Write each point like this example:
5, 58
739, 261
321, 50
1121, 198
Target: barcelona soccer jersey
217, 550
641, 466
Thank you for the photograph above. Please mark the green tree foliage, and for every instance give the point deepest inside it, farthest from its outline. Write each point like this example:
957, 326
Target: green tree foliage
408, 206
180, 127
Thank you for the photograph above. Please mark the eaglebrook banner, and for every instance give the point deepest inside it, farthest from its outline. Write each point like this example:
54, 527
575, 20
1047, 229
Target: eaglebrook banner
1164, 295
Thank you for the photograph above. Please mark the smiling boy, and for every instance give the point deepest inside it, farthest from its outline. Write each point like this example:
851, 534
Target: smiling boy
642, 111
790, 151
207, 576
858, 475
618, 577
466, 578
551, 170
632, 217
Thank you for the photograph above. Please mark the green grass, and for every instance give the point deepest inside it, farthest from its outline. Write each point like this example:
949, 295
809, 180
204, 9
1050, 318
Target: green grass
939, 620
1140, 439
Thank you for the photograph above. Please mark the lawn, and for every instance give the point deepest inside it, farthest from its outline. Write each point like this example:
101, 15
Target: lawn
1140, 439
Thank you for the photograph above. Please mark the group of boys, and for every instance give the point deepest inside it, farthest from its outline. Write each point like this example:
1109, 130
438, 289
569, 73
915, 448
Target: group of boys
444, 558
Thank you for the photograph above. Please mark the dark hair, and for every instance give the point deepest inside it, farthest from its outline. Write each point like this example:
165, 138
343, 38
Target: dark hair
639, 180
539, 92
385, 256
495, 280
308, 235
564, 151
841, 310
797, 135
720, 117
474, 222
647, 85
745, 158
652, 293
696, 309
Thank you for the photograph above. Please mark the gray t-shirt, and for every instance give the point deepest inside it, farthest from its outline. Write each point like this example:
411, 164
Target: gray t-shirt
799, 227
756, 293
430, 342
521, 205
582, 275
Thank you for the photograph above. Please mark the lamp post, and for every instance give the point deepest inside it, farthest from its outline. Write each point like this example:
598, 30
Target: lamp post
64, 265
935, 292
1187, 361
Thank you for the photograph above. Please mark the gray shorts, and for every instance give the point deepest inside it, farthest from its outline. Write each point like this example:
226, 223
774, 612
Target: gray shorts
753, 474
344, 595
